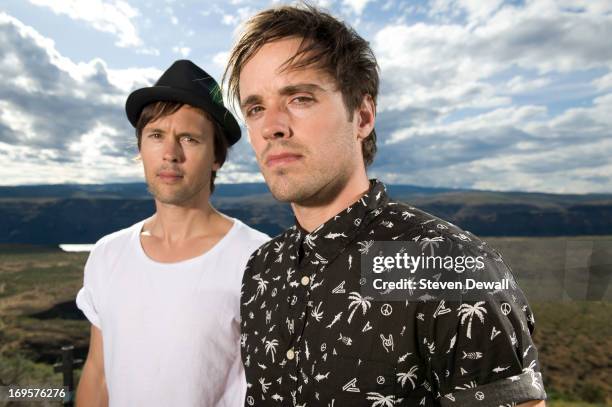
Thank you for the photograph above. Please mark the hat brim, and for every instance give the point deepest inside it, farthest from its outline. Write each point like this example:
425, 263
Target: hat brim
142, 97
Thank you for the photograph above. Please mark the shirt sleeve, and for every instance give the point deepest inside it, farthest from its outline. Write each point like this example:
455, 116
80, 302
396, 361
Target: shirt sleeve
480, 352
86, 298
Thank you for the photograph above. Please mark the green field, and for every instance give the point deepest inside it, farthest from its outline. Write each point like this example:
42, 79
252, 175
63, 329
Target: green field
573, 336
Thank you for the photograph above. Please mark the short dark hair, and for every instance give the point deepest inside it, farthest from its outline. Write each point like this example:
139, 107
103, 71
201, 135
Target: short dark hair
157, 110
327, 43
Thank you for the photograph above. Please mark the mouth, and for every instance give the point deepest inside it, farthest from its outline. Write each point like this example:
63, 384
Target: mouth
274, 160
169, 176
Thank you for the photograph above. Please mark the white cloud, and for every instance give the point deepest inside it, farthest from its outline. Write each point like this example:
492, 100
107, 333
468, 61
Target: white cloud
325, 4
589, 6
453, 109
133, 78
603, 82
148, 51
238, 17
22, 165
544, 37
229, 19
475, 10
480, 94
173, 19
231, 173
424, 62
357, 6
18, 121
595, 121
425, 65
513, 148
114, 17
182, 51
220, 59
50, 113
520, 84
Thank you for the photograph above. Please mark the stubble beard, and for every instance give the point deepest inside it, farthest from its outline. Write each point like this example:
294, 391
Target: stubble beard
179, 196
316, 188
318, 182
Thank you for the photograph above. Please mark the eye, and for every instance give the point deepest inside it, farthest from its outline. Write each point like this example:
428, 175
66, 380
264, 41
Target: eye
154, 136
302, 100
189, 140
253, 110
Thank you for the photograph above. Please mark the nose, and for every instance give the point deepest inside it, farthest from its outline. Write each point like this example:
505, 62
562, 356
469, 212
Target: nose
173, 152
275, 124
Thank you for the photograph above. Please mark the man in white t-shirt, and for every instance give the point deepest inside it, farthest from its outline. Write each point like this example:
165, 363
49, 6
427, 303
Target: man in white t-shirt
163, 295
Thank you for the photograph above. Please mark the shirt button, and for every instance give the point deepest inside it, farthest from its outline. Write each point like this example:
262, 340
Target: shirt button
290, 354
305, 280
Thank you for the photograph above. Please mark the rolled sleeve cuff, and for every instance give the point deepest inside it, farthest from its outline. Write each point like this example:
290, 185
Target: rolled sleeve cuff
85, 304
516, 389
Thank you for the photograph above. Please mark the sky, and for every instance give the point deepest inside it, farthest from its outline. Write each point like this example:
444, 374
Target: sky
478, 94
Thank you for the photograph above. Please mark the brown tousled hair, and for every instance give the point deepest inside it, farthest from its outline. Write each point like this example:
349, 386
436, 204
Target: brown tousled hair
327, 44
157, 110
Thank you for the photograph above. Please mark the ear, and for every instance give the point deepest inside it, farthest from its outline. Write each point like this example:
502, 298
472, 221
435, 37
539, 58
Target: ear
216, 166
366, 116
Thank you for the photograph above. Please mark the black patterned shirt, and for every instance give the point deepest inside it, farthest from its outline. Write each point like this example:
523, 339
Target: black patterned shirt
310, 338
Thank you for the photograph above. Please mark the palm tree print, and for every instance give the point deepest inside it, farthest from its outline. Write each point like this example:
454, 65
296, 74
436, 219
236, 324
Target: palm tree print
380, 400
271, 347
468, 311
261, 285
358, 301
264, 385
431, 242
407, 215
408, 376
316, 313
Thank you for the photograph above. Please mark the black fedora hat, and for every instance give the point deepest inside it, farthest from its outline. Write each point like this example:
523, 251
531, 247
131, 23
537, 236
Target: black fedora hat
185, 82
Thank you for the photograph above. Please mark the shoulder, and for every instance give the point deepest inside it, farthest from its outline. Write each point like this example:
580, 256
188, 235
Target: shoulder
398, 221
250, 235
114, 243
107, 253
436, 237
244, 241
262, 256
409, 222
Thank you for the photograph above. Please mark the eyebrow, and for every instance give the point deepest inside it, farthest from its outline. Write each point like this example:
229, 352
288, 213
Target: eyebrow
150, 130
301, 87
184, 133
287, 90
251, 100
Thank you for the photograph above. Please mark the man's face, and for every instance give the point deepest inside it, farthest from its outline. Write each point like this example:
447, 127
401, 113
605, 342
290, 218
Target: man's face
306, 147
178, 156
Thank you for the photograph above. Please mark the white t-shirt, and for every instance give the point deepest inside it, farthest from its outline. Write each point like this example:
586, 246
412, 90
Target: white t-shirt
171, 331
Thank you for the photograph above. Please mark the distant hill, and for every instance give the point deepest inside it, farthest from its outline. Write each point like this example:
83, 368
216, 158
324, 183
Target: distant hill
53, 214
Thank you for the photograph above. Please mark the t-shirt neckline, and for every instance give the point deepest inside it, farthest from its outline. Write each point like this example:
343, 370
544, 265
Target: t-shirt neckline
218, 246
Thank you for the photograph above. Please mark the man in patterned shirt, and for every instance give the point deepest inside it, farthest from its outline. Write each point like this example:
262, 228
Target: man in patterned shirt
307, 87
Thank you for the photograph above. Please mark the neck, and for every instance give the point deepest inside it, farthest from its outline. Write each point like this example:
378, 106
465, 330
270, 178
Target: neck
173, 223
311, 216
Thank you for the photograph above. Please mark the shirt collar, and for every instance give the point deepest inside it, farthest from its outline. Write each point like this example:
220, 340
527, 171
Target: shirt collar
328, 240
